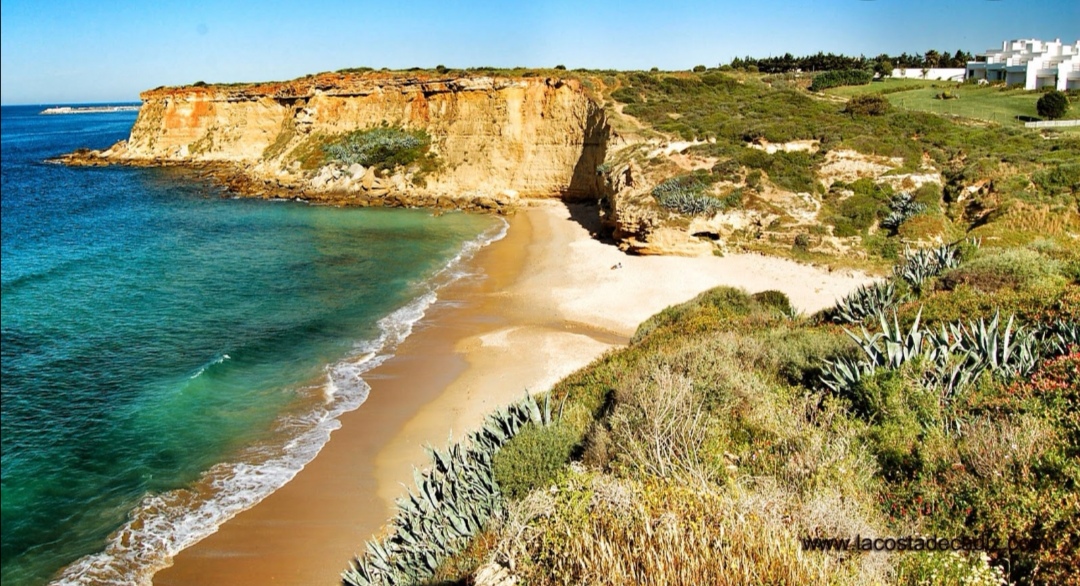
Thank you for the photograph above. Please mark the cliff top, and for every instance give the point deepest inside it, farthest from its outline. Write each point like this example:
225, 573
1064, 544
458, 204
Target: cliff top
363, 82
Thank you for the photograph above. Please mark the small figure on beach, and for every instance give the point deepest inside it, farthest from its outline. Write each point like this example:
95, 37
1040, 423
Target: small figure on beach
617, 265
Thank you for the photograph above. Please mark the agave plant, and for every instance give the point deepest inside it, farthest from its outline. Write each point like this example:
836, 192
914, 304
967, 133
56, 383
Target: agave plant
1007, 353
452, 502
866, 301
891, 347
842, 374
1060, 336
957, 353
923, 263
902, 206
690, 203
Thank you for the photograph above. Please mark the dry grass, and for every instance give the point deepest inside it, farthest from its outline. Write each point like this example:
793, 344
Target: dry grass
599, 530
661, 427
993, 449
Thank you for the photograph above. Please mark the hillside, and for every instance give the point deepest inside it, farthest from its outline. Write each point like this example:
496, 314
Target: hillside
680, 162
734, 440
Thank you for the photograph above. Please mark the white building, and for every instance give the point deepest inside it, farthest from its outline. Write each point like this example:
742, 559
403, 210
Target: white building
935, 73
1032, 63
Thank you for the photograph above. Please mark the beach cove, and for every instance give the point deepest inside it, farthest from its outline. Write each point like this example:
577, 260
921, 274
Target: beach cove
542, 302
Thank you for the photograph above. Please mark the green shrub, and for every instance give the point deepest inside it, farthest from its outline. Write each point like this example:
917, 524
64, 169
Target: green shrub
995, 269
797, 355
1058, 178
1052, 105
793, 171
707, 309
626, 95
383, 147
867, 105
533, 457
842, 77
753, 179
775, 299
699, 68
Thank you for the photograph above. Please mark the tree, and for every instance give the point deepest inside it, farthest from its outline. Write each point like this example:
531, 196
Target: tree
1053, 105
699, 68
932, 58
884, 68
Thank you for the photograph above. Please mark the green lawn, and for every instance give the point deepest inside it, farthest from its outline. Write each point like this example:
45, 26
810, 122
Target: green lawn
984, 103
889, 84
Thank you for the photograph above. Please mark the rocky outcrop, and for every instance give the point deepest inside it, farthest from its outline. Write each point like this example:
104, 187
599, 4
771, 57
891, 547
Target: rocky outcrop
494, 138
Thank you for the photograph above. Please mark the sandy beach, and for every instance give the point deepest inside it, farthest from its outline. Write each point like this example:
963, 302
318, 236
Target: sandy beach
546, 302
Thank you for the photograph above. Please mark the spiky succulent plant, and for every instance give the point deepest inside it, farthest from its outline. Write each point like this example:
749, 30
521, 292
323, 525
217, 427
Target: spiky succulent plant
452, 501
921, 264
902, 206
866, 301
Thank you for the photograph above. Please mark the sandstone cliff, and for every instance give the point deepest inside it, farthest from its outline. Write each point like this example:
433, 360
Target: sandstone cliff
494, 138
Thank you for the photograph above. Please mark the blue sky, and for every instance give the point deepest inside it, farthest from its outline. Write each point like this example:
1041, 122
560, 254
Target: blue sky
87, 51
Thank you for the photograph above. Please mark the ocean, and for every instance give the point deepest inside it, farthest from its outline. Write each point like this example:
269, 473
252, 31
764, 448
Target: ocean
172, 355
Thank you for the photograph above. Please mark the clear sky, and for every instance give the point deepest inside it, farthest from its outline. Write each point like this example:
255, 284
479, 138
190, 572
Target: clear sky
57, 51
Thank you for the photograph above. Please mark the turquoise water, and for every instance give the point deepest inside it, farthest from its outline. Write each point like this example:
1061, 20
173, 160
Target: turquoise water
170, 356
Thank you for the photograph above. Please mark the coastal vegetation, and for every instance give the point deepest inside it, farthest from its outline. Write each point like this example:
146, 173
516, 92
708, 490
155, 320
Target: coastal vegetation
842, 77
830, 62
382, 147
961, 177
732, 431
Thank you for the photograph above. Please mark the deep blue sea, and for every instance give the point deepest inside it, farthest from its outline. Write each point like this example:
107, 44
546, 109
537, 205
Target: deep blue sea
171, 355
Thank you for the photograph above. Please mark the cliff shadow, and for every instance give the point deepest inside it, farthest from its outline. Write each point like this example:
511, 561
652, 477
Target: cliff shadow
587, 184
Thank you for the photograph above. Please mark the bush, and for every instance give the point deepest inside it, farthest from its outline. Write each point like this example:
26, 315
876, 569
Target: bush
867, 105
1059, 178
775, 299
699, 68
383, 147
839, 78
997, 269
711, 308
1053, 105
533, 458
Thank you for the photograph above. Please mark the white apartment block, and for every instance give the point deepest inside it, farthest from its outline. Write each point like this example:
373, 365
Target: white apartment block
1032, 63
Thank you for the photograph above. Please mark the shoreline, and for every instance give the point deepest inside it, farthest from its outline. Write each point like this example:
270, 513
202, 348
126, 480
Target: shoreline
549, 302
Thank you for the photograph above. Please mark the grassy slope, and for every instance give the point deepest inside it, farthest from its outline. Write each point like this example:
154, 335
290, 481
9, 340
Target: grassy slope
714, 449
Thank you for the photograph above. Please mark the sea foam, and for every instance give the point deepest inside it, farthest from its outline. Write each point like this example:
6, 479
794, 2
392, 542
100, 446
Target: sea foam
162, 525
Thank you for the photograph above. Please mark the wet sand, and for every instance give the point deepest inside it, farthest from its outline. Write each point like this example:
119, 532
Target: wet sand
549, 303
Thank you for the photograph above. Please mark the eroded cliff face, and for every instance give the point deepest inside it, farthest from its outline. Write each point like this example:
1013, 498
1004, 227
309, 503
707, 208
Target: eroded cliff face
495, 139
